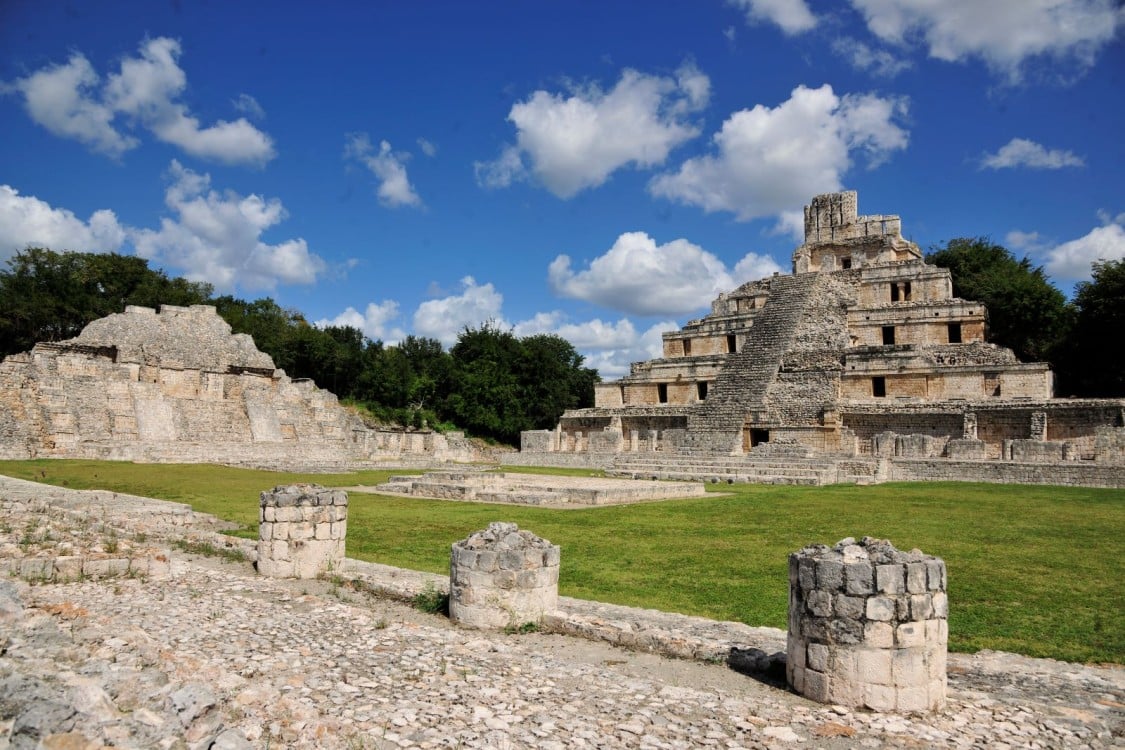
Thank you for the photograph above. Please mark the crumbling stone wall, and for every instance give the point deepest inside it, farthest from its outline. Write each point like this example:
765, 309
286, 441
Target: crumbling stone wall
301, 531
175, 386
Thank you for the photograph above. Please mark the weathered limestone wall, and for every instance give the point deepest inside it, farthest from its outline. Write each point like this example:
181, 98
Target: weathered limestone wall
957, 469
178, 386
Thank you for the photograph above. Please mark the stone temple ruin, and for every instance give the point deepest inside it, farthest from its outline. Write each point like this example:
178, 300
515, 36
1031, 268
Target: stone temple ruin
177, 385
861, 365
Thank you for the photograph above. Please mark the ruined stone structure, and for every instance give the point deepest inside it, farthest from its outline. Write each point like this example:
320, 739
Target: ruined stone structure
301, 531
868, 626
179, 386
861, 354
502, 577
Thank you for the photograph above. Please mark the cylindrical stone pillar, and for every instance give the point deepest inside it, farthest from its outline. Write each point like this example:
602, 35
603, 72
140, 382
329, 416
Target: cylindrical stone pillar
502, 577
867, 626
301, 530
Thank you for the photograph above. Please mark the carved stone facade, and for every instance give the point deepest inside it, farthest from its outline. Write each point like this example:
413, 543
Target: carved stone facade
864, 339
178, 386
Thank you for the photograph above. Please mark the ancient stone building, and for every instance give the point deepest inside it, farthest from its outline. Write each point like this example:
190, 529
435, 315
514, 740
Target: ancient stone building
861, 353
179, 386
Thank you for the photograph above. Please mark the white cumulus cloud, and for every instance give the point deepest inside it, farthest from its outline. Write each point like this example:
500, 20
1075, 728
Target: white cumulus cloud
1020, 152
793, 16
638, 276
770, 160
614, 362
575, 141
216, 237
66, 99
28, 221
375, 321
444, 318
1072, 260
1005, 34
389, 168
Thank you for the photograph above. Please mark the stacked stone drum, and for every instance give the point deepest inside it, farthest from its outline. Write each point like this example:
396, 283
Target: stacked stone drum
301, 529
867, 626
502, 577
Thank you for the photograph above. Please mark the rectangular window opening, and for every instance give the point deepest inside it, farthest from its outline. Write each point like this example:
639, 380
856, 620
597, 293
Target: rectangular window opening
662, 392
992, 384
845, 263
906, 291
758, 436
894, 292
879, 386
732, 343
954, 332
888, 335
687, 347
701, 390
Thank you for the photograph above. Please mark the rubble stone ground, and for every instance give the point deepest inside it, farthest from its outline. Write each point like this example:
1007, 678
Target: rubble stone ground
201, 652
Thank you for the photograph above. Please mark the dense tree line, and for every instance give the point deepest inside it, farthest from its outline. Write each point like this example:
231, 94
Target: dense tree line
1031, 316
491, 382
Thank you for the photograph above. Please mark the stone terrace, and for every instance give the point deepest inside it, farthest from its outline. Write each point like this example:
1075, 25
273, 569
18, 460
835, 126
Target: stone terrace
530, 489
211, 655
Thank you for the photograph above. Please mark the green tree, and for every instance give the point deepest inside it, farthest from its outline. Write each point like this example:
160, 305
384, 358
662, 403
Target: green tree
485, 394
1025, 311
1096, 365
51, 296
552, 379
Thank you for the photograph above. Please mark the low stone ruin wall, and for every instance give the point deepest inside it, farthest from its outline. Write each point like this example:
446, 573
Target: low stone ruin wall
1069, 473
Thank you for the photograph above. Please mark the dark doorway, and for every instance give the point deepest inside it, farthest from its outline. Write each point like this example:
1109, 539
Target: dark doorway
888, 335
879, 386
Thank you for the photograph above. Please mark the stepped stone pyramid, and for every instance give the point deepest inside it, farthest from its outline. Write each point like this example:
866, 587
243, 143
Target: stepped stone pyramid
861, 353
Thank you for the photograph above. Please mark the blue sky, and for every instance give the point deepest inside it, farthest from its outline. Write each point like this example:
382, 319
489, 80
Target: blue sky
600, 170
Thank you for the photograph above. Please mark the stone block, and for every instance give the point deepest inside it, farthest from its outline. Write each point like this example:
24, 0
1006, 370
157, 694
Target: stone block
829, 575
873, 666
940, 604
910, 635
851, 607
881, 609
300, 530
816, 686
912, 699
890, 579
845, 631
908, 668
921, 607
879, 635
819, 603
68, 568
859, 578
916, 578
935, 575
806, 574
817, 657
879, 697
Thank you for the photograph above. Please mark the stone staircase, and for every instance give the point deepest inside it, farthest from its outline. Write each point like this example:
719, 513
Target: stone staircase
740, 389
701, 466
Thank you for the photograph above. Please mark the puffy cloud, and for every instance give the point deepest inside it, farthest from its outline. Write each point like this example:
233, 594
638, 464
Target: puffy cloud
793, 16
1072, 260
428, 148
638, 276
576, 141
1027, 242
58, 97
25, 220
770, 160
374, 321
444, 318
64, 99
1002, 33
879, 62
216, 237
1020, 152
389, 168
605, 346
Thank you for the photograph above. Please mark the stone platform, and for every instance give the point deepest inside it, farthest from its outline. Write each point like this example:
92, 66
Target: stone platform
531, 489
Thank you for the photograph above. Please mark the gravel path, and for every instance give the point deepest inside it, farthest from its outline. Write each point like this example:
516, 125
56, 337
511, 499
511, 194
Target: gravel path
198, 652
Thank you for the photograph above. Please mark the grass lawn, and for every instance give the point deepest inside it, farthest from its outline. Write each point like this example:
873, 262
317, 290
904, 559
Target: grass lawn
1035, 570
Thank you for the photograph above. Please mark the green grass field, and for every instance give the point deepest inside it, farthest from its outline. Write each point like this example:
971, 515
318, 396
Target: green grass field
1035, 570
